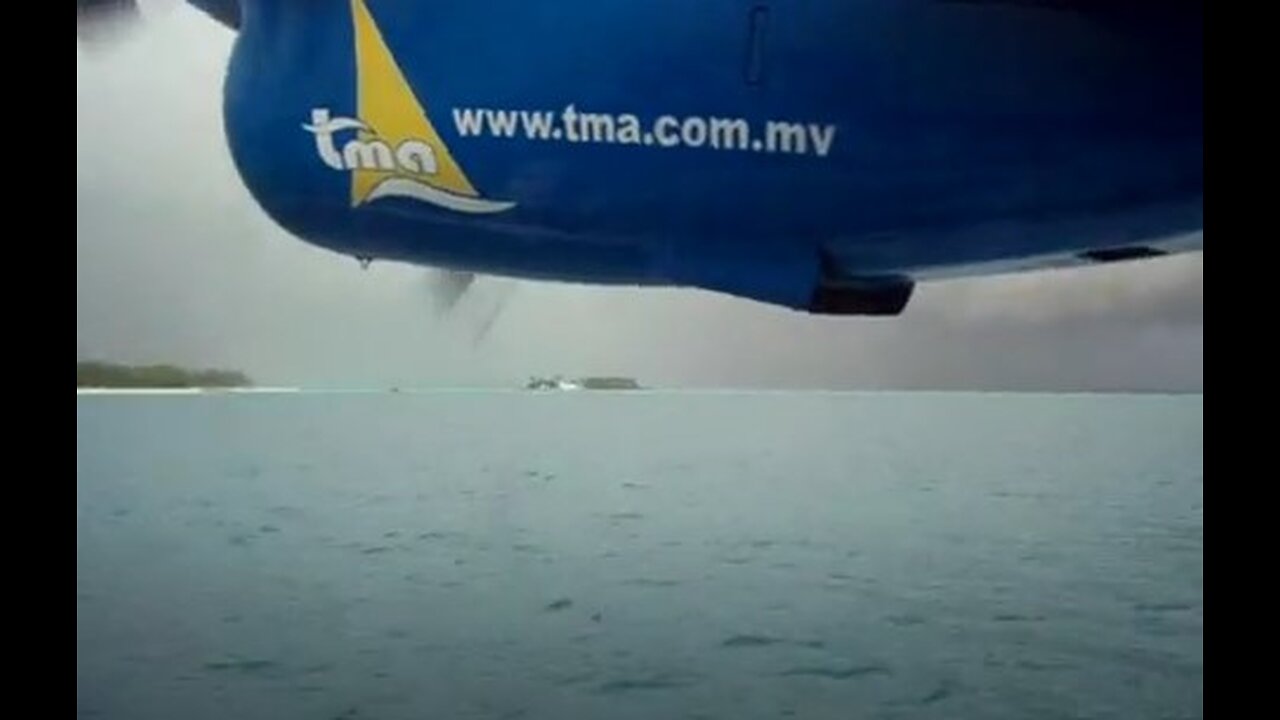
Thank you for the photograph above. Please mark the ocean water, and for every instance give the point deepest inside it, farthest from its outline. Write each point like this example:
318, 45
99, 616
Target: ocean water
647, 555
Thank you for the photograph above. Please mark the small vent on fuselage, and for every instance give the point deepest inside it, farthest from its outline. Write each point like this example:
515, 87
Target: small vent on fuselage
1137, 252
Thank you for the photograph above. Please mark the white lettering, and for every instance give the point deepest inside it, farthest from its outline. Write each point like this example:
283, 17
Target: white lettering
822, 137
503, 122
416, 157
629, 130
694, 132
784, 136
665, 138
468, 121
570, 121
371, 155
596, 127
537, 125
323, 128
729, 134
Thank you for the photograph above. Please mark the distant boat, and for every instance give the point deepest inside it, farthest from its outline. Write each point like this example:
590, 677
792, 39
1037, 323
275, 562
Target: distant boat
588, 383
554, 383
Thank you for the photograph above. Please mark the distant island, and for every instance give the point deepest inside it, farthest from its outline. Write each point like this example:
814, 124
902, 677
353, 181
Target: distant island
586, 383
110, 375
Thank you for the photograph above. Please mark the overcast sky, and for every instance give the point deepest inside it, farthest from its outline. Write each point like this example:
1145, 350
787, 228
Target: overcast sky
176, 264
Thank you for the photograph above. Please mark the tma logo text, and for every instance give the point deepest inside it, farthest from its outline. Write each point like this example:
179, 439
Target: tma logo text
382, 168
411, 156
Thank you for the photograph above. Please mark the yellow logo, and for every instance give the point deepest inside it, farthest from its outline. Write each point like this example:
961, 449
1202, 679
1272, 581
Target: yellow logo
396, 151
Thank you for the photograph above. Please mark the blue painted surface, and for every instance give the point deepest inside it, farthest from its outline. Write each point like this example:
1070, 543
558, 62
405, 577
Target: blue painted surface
964, 132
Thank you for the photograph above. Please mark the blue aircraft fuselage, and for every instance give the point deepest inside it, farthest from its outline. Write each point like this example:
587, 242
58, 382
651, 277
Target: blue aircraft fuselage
817, 154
